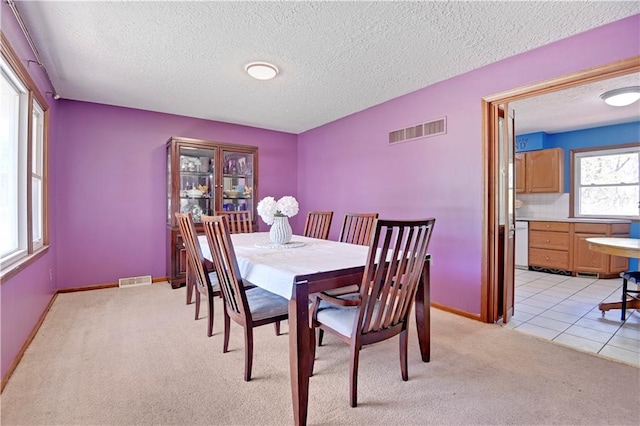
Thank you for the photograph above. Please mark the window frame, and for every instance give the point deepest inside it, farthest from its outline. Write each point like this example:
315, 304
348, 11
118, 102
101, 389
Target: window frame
11, 265
574, 197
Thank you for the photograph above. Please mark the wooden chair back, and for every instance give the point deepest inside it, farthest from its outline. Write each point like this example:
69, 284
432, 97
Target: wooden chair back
195, 259
239, 221
318, 225
357, 228
395, 264
389, 285
216, 229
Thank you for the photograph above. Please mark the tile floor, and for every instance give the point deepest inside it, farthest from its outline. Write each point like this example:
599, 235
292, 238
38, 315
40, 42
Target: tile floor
565, 309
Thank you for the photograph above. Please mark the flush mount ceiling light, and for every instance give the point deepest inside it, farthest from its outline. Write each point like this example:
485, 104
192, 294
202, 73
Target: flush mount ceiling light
621, 97
261, 70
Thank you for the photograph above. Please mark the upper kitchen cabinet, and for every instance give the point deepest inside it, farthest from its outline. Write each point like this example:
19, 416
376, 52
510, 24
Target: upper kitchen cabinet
540, 171
204, 177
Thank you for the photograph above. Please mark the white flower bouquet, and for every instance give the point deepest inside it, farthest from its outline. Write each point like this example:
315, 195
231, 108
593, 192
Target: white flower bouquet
269, 208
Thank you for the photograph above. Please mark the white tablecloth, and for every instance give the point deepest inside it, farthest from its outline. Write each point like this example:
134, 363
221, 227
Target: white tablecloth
275, 268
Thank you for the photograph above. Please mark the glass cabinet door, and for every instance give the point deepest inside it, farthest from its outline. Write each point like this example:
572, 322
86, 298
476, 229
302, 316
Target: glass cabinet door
238, 181
196, 182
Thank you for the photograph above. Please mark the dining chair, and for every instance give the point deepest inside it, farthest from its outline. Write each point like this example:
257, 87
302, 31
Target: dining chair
395, 264
357, 228
239, 221
318, 225
198, 277
249, 307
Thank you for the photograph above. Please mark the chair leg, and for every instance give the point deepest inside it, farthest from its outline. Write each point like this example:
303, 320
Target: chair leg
197, 304
353, 378
320, 336
210, 319
227, 327
189, 291
403, 354
248, 352
624, 299
276, 326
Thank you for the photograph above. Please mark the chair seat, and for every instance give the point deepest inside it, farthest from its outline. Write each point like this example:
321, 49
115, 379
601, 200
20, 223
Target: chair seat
633, 276
264, 304
340, 318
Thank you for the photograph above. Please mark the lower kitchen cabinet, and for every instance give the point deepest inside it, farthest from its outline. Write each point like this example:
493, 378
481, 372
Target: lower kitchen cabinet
563, 246
590, 261
549, 245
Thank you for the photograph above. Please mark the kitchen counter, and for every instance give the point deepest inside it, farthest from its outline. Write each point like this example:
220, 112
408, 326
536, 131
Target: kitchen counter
571, 220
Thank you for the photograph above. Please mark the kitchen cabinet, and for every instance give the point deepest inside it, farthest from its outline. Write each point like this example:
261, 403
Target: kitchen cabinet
590, 261
204, 177
540, 171
550, 245
562, 246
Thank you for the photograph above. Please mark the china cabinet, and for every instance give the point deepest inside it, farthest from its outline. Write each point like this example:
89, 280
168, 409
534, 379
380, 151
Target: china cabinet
204, 177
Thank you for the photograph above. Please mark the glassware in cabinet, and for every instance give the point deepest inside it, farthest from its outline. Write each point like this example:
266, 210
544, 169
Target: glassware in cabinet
197, 181
238, 186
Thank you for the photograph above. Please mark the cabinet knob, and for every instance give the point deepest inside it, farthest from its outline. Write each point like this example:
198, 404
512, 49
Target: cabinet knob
547, 258
547, 226
547, 241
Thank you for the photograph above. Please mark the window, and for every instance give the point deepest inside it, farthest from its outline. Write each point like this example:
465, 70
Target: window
23, 184
607, 182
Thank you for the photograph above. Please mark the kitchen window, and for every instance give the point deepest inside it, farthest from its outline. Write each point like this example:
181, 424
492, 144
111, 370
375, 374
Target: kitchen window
607, 182
23, 166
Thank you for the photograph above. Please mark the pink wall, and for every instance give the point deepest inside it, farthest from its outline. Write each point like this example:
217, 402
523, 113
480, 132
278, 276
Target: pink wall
440, 176
111, 188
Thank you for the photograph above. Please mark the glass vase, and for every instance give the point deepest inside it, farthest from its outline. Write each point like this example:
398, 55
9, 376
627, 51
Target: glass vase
280, 232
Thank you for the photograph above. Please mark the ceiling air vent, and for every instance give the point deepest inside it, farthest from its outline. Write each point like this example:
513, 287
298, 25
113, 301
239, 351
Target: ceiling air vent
424, 130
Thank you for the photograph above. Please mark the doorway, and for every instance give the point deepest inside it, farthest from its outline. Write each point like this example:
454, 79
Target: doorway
499, 263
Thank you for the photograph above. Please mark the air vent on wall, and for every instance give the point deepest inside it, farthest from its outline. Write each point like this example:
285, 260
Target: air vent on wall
423, 130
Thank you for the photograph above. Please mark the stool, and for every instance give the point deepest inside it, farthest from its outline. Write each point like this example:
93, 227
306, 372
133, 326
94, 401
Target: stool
634, 277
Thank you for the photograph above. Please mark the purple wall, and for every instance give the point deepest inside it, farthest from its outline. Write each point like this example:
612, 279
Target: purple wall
24, 297
440, 176
112, 186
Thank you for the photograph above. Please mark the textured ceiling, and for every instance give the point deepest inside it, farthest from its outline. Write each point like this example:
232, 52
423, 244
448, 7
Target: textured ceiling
577, 108
336, 58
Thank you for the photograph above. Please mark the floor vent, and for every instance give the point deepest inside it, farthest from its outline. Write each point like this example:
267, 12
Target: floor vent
587, 275
134, 281
419, 131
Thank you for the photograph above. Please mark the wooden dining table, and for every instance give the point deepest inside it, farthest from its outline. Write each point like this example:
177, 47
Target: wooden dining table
623, 247
299, 269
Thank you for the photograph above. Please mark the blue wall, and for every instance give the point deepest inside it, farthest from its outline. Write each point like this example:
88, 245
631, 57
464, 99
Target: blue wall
587, 138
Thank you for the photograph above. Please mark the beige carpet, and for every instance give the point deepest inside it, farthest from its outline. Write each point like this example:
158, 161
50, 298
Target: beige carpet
136, 357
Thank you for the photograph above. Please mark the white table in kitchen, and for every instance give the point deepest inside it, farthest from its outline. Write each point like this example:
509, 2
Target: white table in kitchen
624, 247
295, 273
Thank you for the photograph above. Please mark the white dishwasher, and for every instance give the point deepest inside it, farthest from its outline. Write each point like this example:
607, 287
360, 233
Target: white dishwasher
522, 244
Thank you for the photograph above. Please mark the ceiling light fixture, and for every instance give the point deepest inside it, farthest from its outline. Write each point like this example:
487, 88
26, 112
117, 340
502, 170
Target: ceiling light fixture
261, 70
621, 97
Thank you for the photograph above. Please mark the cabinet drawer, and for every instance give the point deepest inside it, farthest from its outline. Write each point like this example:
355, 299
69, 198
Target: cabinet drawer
620, 228
549, 240
549, 226
549, 258
591, 228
